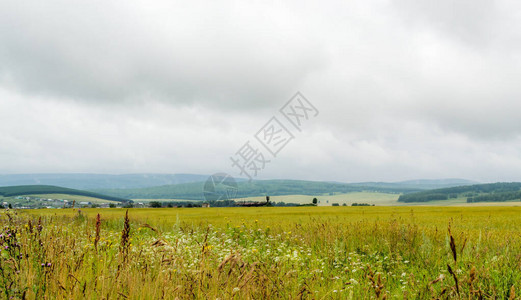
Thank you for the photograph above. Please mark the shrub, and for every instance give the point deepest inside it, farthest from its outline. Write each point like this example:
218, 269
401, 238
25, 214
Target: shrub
155, 204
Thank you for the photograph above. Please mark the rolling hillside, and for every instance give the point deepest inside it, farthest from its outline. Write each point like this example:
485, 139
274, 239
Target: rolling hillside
22, 190
194, 191
423, 184
491, 192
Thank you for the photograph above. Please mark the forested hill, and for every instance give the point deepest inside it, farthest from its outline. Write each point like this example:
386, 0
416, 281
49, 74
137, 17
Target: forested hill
194, 191
21, 190
490, 192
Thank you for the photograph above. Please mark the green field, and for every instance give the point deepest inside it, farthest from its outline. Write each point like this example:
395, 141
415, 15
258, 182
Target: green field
376, 198
262, 253
327, 200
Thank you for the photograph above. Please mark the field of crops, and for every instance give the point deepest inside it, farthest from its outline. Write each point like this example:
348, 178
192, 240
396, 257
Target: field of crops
262, 253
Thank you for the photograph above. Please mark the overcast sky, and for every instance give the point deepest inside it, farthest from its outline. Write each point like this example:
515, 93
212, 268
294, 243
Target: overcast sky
405, 89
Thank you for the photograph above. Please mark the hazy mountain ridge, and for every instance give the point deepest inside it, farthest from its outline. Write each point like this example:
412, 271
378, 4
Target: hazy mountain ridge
424, 184
99, 181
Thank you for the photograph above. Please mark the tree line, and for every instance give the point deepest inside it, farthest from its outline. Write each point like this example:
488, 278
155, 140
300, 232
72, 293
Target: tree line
501, 191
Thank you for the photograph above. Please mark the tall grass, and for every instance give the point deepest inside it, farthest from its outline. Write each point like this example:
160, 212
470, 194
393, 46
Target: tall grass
266, 253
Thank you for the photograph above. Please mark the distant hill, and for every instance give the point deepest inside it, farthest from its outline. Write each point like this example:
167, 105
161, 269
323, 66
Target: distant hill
194, 191
99, 181
190, 186
22, 190
421, 184
490, 192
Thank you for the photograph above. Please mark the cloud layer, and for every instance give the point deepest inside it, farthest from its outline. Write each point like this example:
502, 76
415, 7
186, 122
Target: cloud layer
405, 89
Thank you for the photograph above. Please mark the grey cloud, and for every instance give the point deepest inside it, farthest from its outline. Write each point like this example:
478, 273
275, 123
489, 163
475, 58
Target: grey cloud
468, 21
178, 53
405, 89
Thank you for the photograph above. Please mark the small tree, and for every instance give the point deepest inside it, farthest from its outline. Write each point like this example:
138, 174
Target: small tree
315, 201
155, 204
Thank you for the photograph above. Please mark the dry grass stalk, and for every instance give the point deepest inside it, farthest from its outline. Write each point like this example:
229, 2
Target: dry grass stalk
376, 283
125, 237
453, 248
30, 226
150, 227
98, 230
455, 278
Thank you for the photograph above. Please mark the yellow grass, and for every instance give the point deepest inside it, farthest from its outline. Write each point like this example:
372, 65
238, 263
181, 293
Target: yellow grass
391, 252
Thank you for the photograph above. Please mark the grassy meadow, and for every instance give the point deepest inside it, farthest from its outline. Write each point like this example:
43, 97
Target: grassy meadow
262, 253
340, 198
376, 198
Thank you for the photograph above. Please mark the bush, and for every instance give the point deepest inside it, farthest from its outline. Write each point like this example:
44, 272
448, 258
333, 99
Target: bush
155, 204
